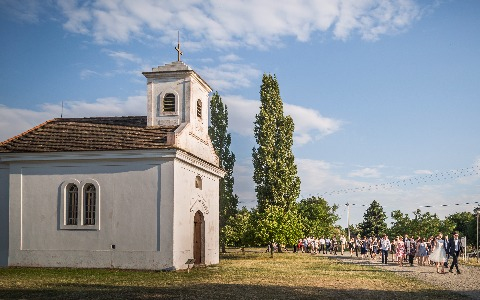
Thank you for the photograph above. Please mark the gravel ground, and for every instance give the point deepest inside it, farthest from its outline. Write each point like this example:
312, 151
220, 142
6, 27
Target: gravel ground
466, 283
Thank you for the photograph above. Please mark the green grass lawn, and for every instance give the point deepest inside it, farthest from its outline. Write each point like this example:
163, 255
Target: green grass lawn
251, 276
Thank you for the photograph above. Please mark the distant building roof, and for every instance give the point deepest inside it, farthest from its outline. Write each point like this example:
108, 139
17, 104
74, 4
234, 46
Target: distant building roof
89, 134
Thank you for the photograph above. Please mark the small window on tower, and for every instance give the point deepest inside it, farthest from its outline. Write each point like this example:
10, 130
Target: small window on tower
199, 108
169, 103
198, 182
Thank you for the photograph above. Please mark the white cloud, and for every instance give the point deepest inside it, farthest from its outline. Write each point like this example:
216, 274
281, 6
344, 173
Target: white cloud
121, 56
226, 24
79, 17
14, 121
318, 177
114, 22
127, 63
423, 172
241, 114
310, 125
29, 11
374, 18
230, 76
365, 173
86, 73
244, 186
110, 106
230, 58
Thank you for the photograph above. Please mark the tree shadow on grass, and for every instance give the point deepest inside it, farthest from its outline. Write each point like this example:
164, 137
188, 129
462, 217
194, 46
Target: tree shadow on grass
218, 291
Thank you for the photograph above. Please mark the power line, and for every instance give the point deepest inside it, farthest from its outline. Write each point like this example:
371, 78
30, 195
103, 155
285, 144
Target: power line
452, 174
475, 203
455, 204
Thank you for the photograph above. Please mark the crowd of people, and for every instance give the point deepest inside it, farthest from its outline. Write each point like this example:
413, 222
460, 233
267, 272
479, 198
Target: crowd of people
402, 249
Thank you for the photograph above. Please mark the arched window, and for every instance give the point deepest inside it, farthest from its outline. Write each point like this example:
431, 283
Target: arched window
72, 204
199, 108
198, 182
89, 204
80, 205
169, 102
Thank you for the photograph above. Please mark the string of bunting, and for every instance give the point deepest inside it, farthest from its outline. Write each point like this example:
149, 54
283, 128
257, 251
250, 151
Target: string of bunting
476, 203
455, 204
452, 174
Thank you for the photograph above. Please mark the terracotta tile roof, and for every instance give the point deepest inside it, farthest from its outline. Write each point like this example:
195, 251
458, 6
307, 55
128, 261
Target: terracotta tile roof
89, 134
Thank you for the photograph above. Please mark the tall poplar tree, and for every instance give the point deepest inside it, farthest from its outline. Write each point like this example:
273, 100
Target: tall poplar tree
221, 140
275, 172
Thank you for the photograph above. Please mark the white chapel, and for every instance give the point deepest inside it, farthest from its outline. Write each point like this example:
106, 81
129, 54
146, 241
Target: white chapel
136, 192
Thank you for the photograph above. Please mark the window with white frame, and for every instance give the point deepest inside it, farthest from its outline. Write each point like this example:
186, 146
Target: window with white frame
80, 205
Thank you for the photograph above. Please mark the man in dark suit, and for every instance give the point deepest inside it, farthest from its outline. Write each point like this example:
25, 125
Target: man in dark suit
454, 249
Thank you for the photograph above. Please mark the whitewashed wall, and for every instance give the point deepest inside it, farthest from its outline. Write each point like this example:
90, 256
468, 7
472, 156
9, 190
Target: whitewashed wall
131, 196
3, 215
147, 202
187, 202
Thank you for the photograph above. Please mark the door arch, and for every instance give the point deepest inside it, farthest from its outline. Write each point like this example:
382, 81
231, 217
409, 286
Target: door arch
199, 238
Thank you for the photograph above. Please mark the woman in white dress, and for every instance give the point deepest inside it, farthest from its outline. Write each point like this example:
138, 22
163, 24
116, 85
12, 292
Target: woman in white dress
439, 255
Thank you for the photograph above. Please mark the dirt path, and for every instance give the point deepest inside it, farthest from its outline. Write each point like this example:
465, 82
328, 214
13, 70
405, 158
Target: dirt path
466, 283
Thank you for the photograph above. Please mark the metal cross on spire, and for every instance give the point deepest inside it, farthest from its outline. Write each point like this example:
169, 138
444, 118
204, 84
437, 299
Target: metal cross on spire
178, 47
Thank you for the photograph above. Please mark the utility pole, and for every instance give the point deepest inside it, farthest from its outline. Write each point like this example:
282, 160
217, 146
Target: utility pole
478, 216
348, 222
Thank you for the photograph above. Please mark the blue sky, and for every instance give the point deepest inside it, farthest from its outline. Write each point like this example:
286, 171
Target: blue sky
385, 95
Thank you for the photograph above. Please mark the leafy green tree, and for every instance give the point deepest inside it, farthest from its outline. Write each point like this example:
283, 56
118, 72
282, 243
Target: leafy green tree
401, 224
221, 139
274, 224
275, 173
422, 224
426, 224
373, 220
238, 228
466, 224
446, 226
318, 218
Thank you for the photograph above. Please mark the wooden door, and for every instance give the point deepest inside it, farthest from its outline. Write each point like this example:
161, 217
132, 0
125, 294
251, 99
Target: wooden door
198, 238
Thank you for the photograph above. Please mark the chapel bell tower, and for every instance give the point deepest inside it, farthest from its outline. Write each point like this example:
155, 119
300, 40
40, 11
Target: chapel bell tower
176, 94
